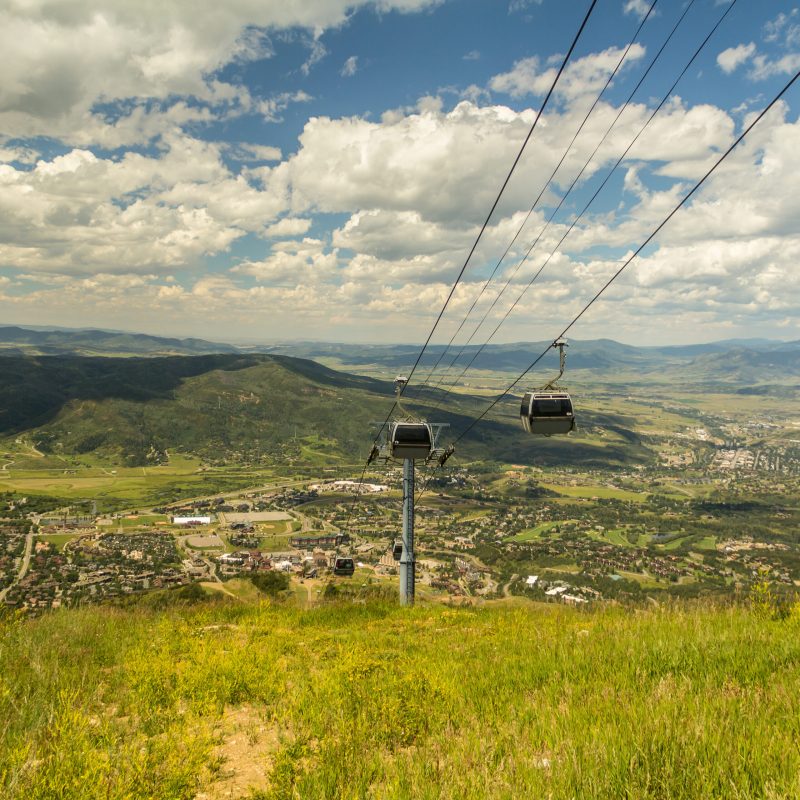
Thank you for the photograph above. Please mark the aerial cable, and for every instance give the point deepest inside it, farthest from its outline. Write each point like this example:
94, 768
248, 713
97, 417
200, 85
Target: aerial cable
538, 198
480, 234
638, 250
587, 205
503, 188
567, 193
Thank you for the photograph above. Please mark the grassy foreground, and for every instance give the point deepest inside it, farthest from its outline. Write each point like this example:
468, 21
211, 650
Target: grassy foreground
356, 701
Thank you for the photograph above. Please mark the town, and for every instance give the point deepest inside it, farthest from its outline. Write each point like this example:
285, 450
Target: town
553, 535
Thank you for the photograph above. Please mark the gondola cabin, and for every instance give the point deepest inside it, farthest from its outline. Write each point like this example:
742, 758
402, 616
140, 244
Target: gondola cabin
410, 440
397, 549
344, 566
547, 413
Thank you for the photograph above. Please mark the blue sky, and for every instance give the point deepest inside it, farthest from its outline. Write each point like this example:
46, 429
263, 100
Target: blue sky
269, 170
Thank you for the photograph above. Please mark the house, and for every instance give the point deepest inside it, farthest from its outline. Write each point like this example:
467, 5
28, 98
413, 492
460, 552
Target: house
190, 521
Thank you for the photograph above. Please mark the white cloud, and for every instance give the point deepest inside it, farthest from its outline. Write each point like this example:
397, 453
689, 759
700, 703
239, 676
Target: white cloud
273, 107
57, 64
638, 8
350, 67
412, 188
78, 213
728, 60
782, 28
288, 226
293, 263
21, 155
583, 76
764, 68
317, 51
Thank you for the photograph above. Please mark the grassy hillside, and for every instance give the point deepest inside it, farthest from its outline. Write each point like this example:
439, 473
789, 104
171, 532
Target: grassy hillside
355, 701
246, 407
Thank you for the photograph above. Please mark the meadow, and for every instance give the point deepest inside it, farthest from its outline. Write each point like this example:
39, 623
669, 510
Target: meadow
263, 699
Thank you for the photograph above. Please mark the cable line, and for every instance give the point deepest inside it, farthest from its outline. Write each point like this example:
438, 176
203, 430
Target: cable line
477, 240
539, 196
635, 254
587, 205
503, 187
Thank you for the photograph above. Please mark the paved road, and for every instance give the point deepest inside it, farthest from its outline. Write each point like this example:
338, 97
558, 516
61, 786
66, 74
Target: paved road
23, 569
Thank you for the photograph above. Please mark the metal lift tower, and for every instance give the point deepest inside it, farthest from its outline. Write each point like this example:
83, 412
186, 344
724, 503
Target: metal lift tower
408, 441
407, 560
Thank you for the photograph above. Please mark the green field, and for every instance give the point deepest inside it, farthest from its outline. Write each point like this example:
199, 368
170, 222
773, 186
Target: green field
245, 699
601, 492
141, 520
113, 486
537, 532
274, 543
58, 540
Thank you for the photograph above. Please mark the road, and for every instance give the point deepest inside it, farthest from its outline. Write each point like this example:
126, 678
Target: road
511, 580
23, 569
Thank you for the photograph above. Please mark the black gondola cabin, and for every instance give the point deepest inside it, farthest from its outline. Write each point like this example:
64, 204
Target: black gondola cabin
344, 566
410, 440
547, 413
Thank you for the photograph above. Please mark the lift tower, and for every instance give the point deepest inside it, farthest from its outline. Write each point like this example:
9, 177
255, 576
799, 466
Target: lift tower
410, 440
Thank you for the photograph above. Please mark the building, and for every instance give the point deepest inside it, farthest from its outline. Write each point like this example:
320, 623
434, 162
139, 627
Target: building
310, 541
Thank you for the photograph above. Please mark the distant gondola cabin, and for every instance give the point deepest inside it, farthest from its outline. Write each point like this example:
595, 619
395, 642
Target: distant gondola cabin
547, 413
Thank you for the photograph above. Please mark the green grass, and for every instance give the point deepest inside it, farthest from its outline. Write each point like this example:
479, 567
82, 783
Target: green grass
536, 533
358, 701
602, 492
615, 536
58, 540
705, 543
273, 528
142, 520
274, 543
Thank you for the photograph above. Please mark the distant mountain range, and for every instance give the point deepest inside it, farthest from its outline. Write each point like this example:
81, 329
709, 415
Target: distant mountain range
15, 340
747, 363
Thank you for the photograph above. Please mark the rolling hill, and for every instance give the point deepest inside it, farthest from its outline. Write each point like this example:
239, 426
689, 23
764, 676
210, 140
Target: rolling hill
248, 407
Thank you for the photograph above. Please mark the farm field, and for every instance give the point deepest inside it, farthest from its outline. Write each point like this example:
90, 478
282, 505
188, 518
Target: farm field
115, 487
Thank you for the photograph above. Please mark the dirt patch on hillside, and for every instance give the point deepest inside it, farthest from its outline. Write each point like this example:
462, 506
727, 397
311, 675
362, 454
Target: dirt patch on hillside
247, 741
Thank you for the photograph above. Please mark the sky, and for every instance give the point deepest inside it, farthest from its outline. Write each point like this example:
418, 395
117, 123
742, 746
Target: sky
272, 170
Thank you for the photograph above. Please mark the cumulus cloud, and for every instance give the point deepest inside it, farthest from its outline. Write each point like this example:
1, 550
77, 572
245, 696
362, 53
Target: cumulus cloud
728, 60
410, 190
288, 226
293, 263
765, 67
57, 66
81, 213
583, 76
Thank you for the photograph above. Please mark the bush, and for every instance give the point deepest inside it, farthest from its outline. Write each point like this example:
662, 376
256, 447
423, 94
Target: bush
271, 583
